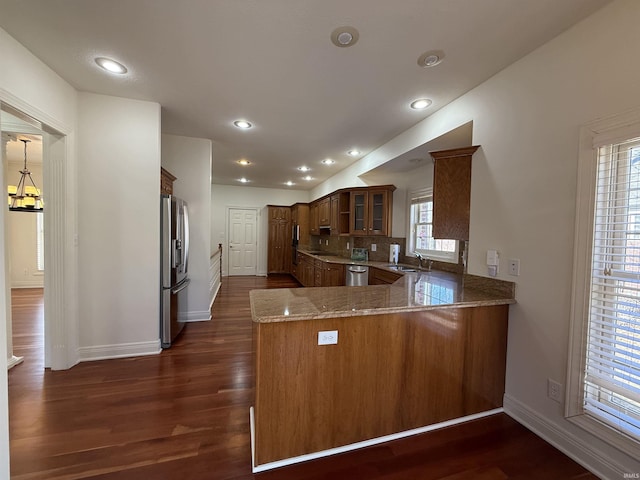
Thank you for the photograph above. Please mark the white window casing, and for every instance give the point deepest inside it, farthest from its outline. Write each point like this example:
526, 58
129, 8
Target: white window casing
603, 378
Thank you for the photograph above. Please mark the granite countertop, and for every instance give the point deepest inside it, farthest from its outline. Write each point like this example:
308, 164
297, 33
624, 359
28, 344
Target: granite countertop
414, 291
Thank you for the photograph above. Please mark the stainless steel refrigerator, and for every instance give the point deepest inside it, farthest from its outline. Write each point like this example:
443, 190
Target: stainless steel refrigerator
174, 267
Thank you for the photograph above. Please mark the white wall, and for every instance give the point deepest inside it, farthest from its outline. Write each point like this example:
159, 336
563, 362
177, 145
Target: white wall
28, 84
119, 247
527, 119
225, 196
189, 159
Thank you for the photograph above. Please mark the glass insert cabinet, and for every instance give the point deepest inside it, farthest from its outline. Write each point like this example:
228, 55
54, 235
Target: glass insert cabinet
370, 212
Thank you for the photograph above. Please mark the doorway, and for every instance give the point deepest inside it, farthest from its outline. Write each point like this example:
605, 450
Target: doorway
243, 243
24, 237
59, 223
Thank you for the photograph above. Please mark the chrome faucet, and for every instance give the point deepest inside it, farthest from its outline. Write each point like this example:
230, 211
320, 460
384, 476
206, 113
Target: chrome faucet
421, 258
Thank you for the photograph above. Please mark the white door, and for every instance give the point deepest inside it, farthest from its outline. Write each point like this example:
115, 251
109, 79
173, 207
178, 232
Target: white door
243, 243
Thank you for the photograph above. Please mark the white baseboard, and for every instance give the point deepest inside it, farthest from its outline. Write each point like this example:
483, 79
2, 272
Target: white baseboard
106, 352
196, 316
36, 283
594, 460
357, 445
13, 361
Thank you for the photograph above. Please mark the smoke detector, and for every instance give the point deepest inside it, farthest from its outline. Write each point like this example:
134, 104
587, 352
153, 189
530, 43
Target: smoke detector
431, 58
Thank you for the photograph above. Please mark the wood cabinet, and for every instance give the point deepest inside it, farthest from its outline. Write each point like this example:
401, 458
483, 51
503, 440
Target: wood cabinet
279, 246
314, 225
300, 217
370, 211
313, 272
333, 275
378, 276
452, 193
166, 182
307, 271
324, 212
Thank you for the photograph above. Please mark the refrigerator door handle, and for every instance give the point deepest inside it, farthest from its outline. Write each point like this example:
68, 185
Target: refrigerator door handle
186, 240
181, 286
167, 251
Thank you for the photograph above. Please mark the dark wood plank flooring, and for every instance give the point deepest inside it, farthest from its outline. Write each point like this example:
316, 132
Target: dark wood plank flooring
184, 415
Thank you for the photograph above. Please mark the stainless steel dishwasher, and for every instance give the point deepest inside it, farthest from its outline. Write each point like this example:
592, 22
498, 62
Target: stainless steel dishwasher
357, 275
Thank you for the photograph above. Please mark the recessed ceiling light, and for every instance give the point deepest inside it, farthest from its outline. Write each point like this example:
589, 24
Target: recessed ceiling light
242, 124
289, 183
328, 161
344, 36
111, 66
308, 178
420, 103
354, 152
304, 168
431, 58
243, 180
244, 162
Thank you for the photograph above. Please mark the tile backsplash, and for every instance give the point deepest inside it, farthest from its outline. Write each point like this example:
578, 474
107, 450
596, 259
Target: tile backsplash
338, 246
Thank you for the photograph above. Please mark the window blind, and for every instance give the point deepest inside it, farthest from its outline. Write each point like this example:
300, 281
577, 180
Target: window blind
612, 373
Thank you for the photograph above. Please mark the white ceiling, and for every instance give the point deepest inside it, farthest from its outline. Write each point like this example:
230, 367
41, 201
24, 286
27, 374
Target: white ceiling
271, 62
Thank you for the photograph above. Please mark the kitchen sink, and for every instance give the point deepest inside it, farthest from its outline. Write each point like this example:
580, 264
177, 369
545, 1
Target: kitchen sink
402, 268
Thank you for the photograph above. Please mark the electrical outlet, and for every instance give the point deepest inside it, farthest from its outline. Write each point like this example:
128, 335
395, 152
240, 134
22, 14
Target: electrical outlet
347, 245
374, 247
514, 266
554, 390
329, 337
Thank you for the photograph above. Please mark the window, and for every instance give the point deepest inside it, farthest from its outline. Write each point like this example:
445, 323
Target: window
604, 372
420, 230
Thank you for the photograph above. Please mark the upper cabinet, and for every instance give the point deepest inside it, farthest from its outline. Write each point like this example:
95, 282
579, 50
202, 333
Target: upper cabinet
324, 212
370, 209
452, 192
166, 182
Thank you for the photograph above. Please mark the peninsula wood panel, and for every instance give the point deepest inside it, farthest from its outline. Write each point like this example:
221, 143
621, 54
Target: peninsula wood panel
388, 373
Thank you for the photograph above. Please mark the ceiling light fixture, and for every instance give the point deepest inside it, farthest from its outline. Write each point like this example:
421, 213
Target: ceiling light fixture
289, 183
353, 152
243, 180
420, 104
304, 168
308, 178
111, 66
25, 198
242, 124
344, 36
431, 58
244, 162
328, 161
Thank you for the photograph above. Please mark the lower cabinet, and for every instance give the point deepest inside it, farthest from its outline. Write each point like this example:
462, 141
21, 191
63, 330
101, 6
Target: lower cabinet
311, 272
333, 275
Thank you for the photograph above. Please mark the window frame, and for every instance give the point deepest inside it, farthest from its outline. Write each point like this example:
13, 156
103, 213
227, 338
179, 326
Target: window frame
611, 130
437, 255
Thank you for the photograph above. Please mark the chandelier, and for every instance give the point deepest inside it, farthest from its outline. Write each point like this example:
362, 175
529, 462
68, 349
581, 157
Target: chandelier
26, 196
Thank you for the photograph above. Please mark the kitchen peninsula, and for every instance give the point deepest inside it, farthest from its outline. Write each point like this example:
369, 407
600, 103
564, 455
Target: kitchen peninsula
397, 358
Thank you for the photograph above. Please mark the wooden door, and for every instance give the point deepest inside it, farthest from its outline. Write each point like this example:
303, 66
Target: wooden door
242, 242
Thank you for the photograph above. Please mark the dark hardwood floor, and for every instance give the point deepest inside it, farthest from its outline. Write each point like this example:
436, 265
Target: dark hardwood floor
184, 415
